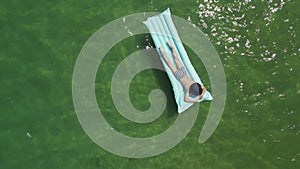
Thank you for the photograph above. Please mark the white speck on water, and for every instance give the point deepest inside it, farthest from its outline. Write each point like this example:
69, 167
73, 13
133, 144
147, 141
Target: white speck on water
267, 59
124, 19
129, 32
204, 25
273, 55
230, 40
218, 9
189, 18
201, 6
273, 10
28, 134
247, 44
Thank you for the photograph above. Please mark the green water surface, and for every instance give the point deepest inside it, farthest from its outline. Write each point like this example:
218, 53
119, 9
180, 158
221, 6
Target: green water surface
39, 45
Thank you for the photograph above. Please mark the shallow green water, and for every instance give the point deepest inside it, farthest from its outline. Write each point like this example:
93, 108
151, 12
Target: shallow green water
40, 42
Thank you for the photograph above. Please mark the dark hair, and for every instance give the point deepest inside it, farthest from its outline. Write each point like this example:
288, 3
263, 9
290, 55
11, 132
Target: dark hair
195, 89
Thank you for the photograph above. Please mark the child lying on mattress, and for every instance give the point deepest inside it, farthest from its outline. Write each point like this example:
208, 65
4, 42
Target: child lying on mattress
192, 87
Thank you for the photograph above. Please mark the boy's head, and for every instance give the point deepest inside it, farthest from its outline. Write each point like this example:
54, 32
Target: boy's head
195, 89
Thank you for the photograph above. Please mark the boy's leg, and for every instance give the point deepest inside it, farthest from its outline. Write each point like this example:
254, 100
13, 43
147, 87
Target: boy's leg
176, 59
167, 60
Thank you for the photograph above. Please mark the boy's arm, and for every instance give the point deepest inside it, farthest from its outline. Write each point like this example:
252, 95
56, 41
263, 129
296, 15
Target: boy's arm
203, 92
187, 99
190, 100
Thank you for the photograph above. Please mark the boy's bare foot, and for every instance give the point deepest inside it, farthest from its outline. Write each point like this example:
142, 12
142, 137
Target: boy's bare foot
161, 50
170, 44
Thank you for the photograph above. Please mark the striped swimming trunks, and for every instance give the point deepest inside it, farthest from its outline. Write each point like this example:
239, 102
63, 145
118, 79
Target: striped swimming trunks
180, 73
